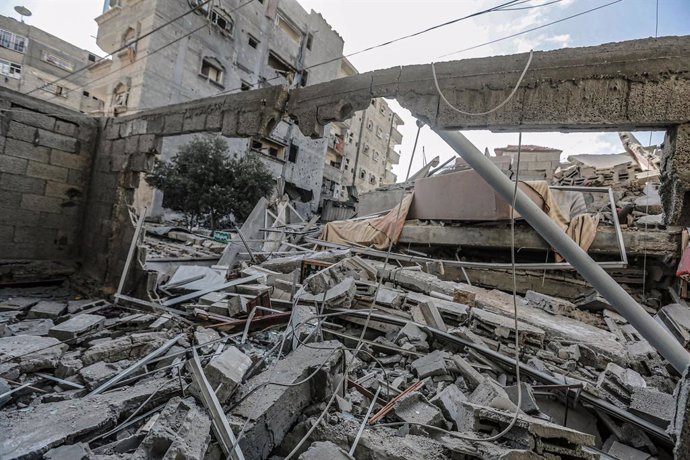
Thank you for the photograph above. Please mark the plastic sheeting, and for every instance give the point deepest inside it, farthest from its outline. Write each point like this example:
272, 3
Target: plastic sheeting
377, 232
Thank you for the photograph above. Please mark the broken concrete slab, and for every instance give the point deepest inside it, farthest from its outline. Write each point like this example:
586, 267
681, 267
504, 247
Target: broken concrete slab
432, 316
619, 450
490, 394
30, 433
69, 364
181, 431
472, 377
39, 327
528, 404
411, 333
97, 373
18, 303
415, 408
130, 347
69, 452
29, 353
430, 364
450, 402
76, 326
47, 309
653, 405
272, 410
204, 335
548, 303
320, 450
225, 371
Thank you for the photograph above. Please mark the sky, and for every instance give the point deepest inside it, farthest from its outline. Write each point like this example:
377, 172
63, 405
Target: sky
363, 23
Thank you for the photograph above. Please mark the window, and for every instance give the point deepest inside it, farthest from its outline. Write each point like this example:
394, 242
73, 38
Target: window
120, 96
223, 21
253, 42
57, 61
370, 125
12, 41
256, 145
362, 174
278, 64
129, 37
292, 156
310, 40
366, 148
376, 156
382, 108
373, 102
212, 70
10, 69
379, 132
244, 86
286, 26
372, 179
303, 80
197, 4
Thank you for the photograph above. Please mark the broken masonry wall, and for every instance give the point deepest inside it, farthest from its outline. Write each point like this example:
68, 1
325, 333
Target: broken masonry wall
45, 163
127, 149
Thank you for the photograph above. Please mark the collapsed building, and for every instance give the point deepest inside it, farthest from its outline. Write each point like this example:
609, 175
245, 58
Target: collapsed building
121, 339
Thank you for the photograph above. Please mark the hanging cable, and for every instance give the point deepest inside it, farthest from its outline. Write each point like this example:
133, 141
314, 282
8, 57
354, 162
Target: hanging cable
510, 96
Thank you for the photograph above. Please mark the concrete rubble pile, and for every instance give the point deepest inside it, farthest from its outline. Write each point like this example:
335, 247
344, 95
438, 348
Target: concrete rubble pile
304, 352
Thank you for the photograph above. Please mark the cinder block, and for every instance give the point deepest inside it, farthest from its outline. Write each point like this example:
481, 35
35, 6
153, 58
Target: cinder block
62, 190
21, 149
41, 203
45, 171
22, 184
57, 141
66, 128
22, 132
13, 165
34, 235
36, 119
67, 160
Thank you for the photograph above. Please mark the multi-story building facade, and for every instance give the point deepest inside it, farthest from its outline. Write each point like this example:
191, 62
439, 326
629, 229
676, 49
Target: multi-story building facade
225, 46
31, 61
361, 151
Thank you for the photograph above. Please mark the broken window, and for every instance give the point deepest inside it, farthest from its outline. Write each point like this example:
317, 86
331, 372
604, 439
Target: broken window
244, 86
129, 37
379, 132
57, 61
303, 79
12, 41
362, 174
253, 42
200, 5
370, 125
278, 64
92, 57
310, 41
10, 69
372, 179
212, 70
222, 20
292, 156
291, 30
120, 97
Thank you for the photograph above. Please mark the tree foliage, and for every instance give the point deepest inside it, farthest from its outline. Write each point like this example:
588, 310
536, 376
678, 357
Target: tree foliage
203, 180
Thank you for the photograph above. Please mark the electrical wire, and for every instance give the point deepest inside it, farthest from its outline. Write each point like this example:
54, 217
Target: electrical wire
505, 101
122, 48
530, 29
529, 7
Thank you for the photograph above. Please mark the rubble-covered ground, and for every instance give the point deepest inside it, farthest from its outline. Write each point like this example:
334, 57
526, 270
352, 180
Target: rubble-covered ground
312, 354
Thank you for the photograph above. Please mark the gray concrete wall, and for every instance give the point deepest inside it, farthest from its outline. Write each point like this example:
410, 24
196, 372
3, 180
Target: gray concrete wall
45, 163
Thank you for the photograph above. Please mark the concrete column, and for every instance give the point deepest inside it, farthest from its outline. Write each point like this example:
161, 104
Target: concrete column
675, 176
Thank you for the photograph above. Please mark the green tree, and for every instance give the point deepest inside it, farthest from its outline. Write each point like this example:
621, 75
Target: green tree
203, 180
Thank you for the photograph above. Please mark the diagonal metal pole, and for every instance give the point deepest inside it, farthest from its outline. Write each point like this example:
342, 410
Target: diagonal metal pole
620, 300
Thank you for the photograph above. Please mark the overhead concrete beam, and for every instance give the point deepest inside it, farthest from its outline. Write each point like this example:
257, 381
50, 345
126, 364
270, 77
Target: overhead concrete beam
627, 85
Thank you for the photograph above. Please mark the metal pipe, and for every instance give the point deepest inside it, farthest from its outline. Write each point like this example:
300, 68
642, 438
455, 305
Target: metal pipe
623, 303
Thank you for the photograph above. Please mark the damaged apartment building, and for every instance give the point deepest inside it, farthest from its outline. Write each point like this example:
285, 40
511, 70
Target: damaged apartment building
390, 336
235, 48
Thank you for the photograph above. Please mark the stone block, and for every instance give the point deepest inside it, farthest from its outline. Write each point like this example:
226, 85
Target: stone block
432, 316
76, 326
39, 203
27, 150
23, 132
67, 159
226, 371
65, 127
57, 141
203, 335
130, 347
13, 165
22, 184
491, 394
62, 190
431, 364
414, 408
46, 171
411, 333
35, 119
47, 309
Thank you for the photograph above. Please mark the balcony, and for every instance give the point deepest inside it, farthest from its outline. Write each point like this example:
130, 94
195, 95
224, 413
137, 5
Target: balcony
332, 173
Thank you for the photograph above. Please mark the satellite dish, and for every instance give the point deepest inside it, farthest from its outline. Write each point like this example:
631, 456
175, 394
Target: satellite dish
23, 11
